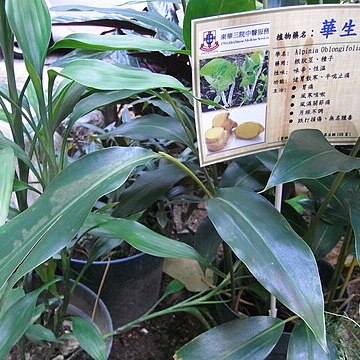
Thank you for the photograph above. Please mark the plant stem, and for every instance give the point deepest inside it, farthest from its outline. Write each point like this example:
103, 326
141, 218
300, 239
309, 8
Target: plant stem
100, 288
309, 236
188, 171
229, 268
180, 116
347, 278
333, 286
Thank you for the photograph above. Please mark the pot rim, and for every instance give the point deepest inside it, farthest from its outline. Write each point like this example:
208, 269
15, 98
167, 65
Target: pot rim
115, 261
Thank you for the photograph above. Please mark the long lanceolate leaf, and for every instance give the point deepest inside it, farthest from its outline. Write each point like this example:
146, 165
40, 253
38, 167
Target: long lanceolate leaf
146, 20
303, 346
246, 339
123, 42
104, 76
7, 173
308, 155
46, 227
152, 127
15, 321
31, 23
144, 239
279, 259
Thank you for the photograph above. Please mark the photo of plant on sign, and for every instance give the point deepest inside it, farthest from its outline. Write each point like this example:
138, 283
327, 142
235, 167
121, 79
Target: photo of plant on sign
238, 83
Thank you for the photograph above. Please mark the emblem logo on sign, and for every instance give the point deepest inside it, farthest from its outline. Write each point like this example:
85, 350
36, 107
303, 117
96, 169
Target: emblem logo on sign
210, 43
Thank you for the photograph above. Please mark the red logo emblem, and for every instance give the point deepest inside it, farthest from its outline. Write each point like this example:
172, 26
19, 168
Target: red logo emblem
210, 43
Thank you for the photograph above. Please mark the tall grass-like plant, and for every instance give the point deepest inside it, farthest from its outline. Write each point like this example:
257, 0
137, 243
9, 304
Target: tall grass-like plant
67, 192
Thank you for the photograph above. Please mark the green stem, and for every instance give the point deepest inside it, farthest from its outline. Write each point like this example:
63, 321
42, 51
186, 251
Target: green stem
188, 171
180, 116
309, 236
229, 268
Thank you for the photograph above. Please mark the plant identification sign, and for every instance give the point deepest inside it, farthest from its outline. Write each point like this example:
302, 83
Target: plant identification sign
263, 74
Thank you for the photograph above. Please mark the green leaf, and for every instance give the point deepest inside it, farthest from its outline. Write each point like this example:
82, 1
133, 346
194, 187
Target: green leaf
246, 339
31, 23
308, 155
7, 173
203, 8
144, 239
337, 213
148, 20
326, 237
65, 102
354, 201
15, 321
62, 208
303, 345
89, 337
173, 287
104, 76
207, 240
117, 42
10, 298
219, 73
152, 127
37, 333
278, 258
97, 100
148, 188
247, 172
17, 150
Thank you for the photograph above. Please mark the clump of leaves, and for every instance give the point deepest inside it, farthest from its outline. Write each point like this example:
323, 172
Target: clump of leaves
223, 75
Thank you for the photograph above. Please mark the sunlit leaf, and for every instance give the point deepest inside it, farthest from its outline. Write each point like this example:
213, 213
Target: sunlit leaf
60, 211
105, 76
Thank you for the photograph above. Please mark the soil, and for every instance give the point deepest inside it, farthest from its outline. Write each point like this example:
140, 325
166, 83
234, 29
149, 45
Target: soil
158, 338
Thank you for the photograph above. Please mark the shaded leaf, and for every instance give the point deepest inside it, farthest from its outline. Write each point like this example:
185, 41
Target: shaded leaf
144, 239
99, 99
308, 155
62, 208
207, 240
246, 339
7, 173
173, 287
152, 127
278, 258
326, 237
104, 76
303, 346
354, 201
89, 337
37, 332
246, 172
148, 188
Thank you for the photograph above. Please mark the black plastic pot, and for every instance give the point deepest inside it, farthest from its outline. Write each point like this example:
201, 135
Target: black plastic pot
131, 287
